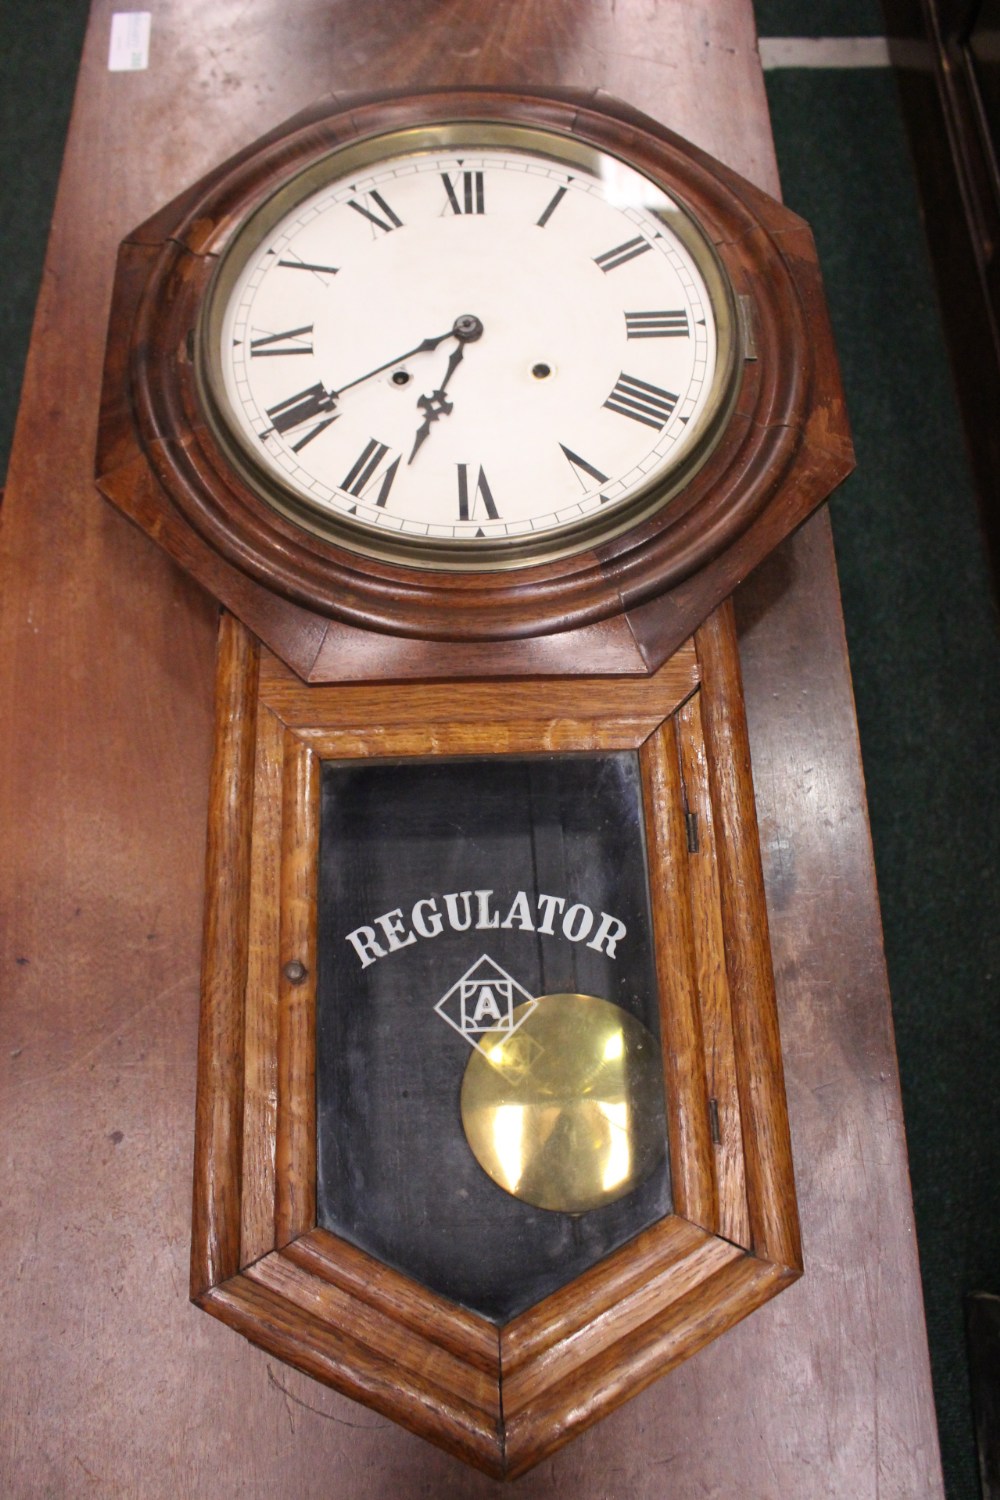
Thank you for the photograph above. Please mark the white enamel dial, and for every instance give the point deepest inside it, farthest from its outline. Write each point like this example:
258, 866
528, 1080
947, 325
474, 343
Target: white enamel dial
458, 353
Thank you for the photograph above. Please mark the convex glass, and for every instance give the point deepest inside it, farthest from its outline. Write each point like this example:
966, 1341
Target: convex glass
466, 346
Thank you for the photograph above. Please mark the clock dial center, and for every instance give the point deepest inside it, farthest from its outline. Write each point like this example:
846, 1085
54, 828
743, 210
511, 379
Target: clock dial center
468, 328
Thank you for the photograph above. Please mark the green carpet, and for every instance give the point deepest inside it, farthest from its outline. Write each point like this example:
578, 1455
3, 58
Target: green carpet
818, 17
925, 656
40, 44
920, 619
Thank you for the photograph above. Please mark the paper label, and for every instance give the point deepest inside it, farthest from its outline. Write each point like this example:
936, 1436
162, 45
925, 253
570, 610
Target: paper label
824, 52
129, 49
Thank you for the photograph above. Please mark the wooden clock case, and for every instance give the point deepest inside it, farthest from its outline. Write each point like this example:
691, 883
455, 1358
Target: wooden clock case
627, 646
500, 1397
621, 606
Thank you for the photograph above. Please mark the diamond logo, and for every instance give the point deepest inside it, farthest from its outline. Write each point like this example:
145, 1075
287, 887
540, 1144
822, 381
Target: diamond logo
484, 1000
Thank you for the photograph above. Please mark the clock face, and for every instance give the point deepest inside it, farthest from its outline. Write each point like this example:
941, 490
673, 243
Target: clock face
468, 346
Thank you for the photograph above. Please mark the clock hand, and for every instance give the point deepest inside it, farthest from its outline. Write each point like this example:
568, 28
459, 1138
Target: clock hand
436, 404
467, 329
318, 398
424, 347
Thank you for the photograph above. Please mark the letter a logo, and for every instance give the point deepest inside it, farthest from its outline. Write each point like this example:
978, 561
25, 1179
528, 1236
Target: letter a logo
483, 1000
491, 1002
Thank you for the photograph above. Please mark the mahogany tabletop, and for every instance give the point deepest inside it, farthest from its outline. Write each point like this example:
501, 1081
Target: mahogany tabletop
114, 1383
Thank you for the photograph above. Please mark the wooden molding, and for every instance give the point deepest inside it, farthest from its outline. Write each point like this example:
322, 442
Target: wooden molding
500, 1398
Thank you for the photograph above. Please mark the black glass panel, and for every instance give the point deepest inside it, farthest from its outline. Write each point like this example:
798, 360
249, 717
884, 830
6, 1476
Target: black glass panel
432, 873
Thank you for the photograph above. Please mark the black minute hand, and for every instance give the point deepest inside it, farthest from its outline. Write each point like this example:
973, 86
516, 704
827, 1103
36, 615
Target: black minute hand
422, 348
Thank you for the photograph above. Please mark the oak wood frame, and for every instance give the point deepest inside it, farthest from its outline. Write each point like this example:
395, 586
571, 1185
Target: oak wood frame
502, 1399
325, 609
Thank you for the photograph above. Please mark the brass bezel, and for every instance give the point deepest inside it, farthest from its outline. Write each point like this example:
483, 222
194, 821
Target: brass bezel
459, 555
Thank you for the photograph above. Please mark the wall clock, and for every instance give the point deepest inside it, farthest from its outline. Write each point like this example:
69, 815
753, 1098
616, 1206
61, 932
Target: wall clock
471, 409
588, 372
690, 417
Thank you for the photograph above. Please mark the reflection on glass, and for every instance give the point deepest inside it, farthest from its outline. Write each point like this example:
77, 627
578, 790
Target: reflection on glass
614, 1047
619, 1156
565, 1112
508, 1136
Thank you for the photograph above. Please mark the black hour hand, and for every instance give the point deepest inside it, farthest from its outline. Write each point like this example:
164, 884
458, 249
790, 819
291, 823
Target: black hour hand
437, 403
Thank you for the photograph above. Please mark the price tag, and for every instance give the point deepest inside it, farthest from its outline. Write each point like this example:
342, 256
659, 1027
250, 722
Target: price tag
129, 48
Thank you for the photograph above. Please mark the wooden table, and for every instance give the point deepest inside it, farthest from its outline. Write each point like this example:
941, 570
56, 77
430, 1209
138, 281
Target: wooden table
114, 1384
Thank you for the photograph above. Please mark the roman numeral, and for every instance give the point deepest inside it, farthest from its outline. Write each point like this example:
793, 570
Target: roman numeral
580, 465
551, 206
365, 468
473, 200
296, 410
482, 491
292, 341
658, 325
612, 259
308, 265
641, 401
393, 221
